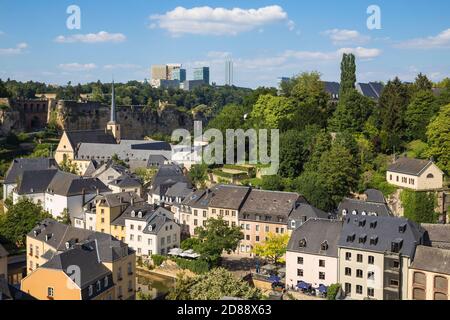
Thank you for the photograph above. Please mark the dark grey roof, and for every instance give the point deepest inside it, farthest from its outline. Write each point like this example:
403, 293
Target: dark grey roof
117, 199
229, 196
147, 210
67, 184
5, 289
269, 203
374, 195
359, 230
179, 189
167, 176
432, 259
109, 248
371, 89
160, 217
304, 211
409, 166
316, 232
90, 136
332, 87
37, 181
153, 160
360, 206
18, 166
126, 181
3, 252
91, 269
154, 145
438, 234
92, 167
199, 199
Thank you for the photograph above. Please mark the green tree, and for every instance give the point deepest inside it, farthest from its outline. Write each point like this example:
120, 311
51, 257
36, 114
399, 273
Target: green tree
338, 172
393, 103
311, 186
213, 285
293, 154
68, 166
190, 243
273, 112
198, 174
419, 206
272, 183
64, 217
333, 291
352, 112
230, 117
439, 139
348, 74
419, 113
422, 83
273, 248
217, 237
20, 219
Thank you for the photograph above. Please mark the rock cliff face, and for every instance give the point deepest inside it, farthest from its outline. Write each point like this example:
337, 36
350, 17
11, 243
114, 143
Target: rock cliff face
136, 121
10, 119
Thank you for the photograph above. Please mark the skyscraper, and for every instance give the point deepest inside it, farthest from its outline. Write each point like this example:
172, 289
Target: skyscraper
202, 74
229, 73
179, 74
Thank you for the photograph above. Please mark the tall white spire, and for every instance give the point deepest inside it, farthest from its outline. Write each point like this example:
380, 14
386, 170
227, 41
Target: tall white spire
113, 104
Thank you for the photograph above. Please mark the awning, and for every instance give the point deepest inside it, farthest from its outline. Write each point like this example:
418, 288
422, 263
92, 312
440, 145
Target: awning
303, 285
322, 288
268, 267
274, 279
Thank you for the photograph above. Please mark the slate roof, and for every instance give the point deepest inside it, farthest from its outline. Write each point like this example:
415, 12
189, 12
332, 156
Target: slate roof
67, 184
18, 166
92, 167
31, 182
304, 211
332, 88
160, 217
90, 136
360, 206
109, 248
199, 199
3, 252
268, 203
371, 90
409, 166
147, 211
153, 160
125, 182
384, 230
316, 232
438, 234
85, 257
432, 259
167, 176
179, 189
5, 289
374, 195
229, 196
116, 199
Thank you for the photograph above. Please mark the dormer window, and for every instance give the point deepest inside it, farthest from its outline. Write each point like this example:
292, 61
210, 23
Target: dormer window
354, 212
373, 225
106, 281
374, 240
351, 237
293, 224
302, 243
99, 285
402, 228
133, 213
91, 290
363, 213
362, 222
396, 245
324, 245
344, 212
363, 238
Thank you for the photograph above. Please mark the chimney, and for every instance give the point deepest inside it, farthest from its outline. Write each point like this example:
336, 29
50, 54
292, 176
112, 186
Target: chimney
132, 200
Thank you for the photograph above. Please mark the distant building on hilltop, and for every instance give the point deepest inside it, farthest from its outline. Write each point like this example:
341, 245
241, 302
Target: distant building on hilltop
202, 73
229, 73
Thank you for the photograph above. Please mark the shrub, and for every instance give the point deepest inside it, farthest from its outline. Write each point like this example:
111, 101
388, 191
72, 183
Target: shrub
158, 259
196, 266
333, 291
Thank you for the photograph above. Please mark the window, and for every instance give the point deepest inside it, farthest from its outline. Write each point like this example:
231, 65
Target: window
359, 273
370, 292
322, 275
247, 237
169, 239
247, 227
139, 251
131, 226
150, 252
371, 259
359, 289
131, 237
347, 288
348, 272
195, 213
150, 242
440, 296
359, 258
31, 250
300, 272
390, 177
300, 260
99, 285
106, 282
213, 211
91, 290
440, 283
50, 292
419, 278
195, 222
257, 227
130, 268
139, 238
396, 264
430, 176
393, 283
257, 239
204, 214
139, 228
348, 256
163, 241
267, 228
419, 294
322, 263
371, 275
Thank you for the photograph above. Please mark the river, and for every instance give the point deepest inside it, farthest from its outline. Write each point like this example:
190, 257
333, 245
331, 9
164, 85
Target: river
155, 285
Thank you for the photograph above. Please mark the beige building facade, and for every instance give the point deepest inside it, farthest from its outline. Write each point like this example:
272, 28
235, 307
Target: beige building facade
415, 174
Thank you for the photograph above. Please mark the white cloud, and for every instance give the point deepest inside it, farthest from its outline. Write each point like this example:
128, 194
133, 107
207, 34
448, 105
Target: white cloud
127, 66
13, 51
218, 54
217, 21
75, 66
442, 40
100, 37
344, 36
360, 52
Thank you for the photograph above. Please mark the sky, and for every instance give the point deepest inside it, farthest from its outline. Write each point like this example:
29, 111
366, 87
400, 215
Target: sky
265, 39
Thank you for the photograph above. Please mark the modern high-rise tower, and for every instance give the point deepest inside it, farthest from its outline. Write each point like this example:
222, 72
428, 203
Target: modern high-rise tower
229, 73
202, 74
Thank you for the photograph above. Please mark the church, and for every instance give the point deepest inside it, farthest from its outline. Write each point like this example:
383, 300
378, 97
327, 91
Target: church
90, 148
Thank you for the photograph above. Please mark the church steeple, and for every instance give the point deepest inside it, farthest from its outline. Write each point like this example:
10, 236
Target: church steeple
112, 125
113, 104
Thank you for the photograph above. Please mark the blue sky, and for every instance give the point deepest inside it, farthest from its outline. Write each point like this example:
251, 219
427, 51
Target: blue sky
265, 39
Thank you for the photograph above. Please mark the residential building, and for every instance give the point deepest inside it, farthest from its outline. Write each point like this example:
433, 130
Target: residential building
437, 235
229, 73
373, 205
302, 213
19, 166
194, 211
104, 266
312, 253
371, 90
202, 73
167, 177
375, 253
149, 229
264, 212
333, 89
415, 174
429, 274
110, 171
126, 183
